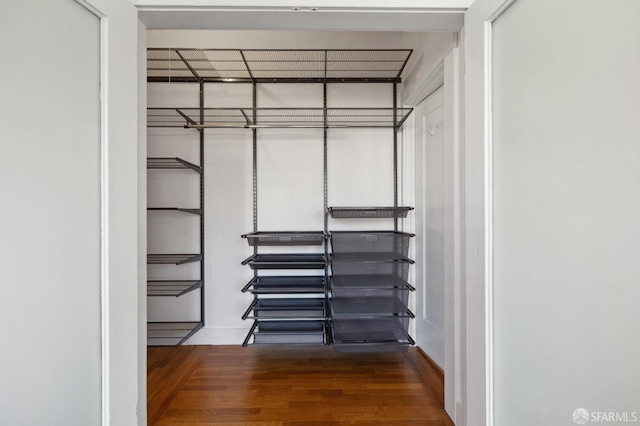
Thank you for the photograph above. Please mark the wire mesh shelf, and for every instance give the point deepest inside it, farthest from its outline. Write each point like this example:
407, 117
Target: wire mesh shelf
177, 209
287, 332
170, 333
172, 259
276, 65
286, 285
393, 243
285, 238
369, 282
369, 212
278, 117
171, 163
371, 306
378, 331
286, 309
174, 288
286, 261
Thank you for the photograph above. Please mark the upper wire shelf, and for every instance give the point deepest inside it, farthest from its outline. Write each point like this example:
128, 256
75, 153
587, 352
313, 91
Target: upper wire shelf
276, 65
277, 117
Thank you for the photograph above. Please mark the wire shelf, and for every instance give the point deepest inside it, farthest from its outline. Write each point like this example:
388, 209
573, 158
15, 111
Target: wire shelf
177, 209
174, 288
171, 163
370, 282
369, 212
172, 259
276, 65
170, 333
393, 243
377, 331
368, 307
285, 238
286, 309
286, 261
286, 285
287, 332
278, 117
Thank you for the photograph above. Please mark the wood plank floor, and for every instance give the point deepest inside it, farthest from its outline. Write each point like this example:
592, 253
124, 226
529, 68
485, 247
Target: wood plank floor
287, 386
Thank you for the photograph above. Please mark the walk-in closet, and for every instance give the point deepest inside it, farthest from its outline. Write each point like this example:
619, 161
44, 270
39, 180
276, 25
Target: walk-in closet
278, 206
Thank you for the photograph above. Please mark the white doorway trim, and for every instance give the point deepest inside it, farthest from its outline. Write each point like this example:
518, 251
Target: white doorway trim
446, 74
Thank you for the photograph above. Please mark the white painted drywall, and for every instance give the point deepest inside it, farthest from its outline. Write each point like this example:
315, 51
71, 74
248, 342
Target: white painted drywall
428, 51
50, 216
566, 209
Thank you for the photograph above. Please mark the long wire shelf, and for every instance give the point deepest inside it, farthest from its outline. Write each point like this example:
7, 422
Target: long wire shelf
276, 65
252, 118
174, 288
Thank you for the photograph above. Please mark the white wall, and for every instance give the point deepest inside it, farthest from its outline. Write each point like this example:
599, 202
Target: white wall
566, 233
428, 50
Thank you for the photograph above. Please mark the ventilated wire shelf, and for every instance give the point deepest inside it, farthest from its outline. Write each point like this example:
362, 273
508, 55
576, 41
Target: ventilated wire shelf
368, 212
274, 65
278, 117
177, 209
369, 306
286, 332
393, 244
172, 259
286, 309
286, 285
173, 288
379, 331
286, 261
369, 282
285, 238
170, 333
171, 163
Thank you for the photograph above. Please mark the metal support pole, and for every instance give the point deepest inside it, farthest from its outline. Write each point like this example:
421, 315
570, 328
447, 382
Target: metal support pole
202, 268
395, 152
255, 169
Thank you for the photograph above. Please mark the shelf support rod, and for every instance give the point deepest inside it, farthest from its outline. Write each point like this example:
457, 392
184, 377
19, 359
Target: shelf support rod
202, 267
395, 152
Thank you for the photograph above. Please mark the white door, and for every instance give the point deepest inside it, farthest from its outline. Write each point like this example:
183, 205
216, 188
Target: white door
430, 228
57, 364
553, 238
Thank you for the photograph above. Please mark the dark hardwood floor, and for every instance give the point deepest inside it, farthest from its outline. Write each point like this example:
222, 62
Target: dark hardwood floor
287, 386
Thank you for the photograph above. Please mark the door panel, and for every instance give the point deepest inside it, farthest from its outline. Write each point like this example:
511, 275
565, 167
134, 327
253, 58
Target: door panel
430, 226
566, 234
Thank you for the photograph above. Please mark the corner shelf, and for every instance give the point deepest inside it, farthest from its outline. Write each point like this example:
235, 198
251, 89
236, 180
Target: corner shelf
174, 288
170, 333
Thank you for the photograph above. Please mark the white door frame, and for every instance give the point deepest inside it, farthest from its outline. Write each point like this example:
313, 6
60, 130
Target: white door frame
473, 400
445, 74
121, 346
